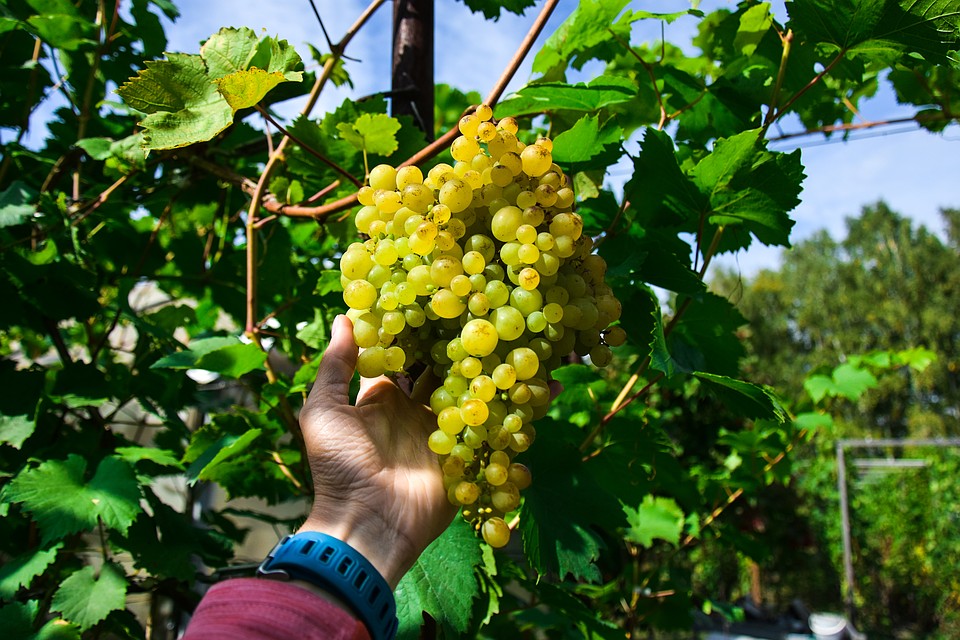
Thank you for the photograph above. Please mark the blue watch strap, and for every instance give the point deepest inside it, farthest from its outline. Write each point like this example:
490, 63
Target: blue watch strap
334, 565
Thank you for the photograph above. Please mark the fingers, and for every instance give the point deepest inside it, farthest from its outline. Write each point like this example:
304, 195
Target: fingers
337, 366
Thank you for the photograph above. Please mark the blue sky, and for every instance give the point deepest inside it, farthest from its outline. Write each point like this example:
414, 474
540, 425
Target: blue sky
914, 171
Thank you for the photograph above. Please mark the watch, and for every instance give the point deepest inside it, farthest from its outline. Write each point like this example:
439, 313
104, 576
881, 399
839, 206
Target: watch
335, 566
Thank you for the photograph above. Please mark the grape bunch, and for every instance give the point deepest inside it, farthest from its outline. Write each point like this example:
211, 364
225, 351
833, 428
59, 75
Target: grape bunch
481, 271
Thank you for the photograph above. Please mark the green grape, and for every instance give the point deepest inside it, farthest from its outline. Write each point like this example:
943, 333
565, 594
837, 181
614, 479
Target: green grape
360, 294
529, 278
449, 420
365, 330
495, 474
474, 436
478, 304
468, 125
441, 443
512, 423
536, 322
456, 351
383, 176
479, 337
520, 393
474, 412
536, 160
615, 336
455, 194
519, 475
372, 362
509, 322
483, 388
505, 223
467, 492
524, 361
393, 322
394, 358
495, 532
504, 376
461, 285
505, 497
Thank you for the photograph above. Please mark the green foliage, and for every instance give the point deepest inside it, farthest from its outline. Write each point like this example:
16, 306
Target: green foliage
158, 328
886, 312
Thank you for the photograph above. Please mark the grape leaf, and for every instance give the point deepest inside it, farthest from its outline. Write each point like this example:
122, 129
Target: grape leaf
62, 502
182, 105
233, 360
15, 207
245, 88
930, 28
441, 582
16, 618
538, 97
586, 141
847, 380
62, 31
162, 457
224, 448
560, 507
585, 35
86, 599
754, 24
656, 517
748, 399
750, 186
371, 132
188, 358
663, 194
492, 8
20, 571
14, 430
231, 50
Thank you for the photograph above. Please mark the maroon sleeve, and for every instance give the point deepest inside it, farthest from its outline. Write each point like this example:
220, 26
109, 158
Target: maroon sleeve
261, 609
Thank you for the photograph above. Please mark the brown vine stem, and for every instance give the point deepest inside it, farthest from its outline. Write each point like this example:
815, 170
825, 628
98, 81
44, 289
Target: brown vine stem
323, 211
522, 51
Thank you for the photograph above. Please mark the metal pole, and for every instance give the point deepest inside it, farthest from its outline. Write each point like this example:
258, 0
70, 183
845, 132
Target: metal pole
412, 83
845, 528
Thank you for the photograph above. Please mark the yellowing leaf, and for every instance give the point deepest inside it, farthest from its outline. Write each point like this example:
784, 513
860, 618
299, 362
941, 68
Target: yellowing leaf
243, 89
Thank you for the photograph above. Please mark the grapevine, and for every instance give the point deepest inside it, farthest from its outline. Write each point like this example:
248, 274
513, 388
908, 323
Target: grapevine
482, 271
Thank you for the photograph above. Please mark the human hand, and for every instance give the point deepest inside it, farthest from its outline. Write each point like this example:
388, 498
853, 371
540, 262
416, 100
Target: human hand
378, 487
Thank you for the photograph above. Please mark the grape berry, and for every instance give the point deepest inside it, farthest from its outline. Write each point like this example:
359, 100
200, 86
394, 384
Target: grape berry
480, 270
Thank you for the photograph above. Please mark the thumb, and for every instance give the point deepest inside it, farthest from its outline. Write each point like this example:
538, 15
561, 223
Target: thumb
337, 366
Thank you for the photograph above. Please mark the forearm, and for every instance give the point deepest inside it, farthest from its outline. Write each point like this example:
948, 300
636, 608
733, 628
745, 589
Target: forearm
261, 609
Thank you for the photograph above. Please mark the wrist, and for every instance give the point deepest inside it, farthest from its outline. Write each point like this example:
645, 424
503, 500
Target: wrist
384, 549
337, 572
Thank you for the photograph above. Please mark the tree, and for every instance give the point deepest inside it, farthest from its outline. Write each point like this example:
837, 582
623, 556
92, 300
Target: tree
887, 285
169, 275
874, 344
